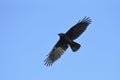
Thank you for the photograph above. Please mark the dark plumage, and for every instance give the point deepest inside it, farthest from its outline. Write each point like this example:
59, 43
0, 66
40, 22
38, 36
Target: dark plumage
66, 39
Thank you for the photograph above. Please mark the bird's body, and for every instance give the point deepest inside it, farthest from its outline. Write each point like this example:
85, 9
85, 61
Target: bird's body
67, 39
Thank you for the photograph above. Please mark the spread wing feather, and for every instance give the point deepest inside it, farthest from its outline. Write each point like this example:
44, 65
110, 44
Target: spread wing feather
56, 53
79, 28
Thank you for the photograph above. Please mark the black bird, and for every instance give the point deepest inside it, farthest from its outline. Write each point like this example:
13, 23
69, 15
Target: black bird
67, 39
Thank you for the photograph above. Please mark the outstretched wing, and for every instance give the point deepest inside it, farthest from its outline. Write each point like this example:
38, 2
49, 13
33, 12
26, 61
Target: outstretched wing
79, 28
56, 52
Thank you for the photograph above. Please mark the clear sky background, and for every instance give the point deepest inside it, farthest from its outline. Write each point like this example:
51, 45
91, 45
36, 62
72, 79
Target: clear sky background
28, 32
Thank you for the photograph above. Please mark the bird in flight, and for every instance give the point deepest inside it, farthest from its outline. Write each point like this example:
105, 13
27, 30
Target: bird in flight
66, 40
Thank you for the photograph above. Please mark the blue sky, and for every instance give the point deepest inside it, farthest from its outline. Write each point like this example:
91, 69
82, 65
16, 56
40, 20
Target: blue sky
28, 32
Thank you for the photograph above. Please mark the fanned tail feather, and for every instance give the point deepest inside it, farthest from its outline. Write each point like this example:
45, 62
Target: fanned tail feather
74, 46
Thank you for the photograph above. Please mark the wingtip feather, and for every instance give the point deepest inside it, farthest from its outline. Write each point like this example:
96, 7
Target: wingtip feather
85, 19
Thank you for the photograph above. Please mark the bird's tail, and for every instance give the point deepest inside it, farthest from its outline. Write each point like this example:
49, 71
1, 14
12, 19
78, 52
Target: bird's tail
74, 46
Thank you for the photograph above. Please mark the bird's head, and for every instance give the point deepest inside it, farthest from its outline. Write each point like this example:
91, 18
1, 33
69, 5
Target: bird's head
61, 34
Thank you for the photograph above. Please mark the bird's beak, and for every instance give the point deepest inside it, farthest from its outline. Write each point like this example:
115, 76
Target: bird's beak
59, 34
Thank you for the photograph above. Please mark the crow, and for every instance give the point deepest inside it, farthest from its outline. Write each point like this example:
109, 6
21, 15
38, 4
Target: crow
66, 40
